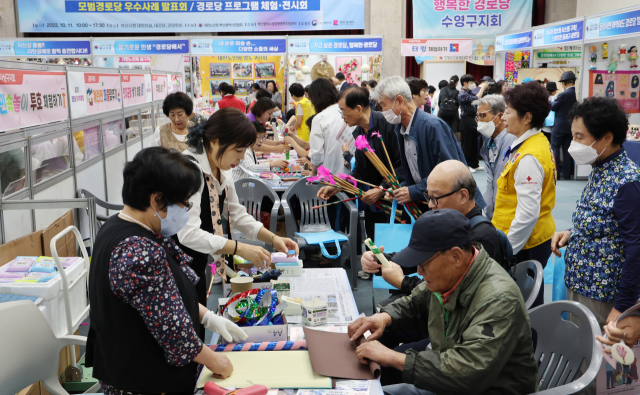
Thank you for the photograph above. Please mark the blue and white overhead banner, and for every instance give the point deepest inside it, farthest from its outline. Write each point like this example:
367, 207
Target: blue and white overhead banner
514, 41
246, 45
64, 16
558, 34
613, 25
334, 45
45, 48
140, 47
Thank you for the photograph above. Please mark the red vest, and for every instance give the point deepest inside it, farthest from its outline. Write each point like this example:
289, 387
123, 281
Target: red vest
231, 101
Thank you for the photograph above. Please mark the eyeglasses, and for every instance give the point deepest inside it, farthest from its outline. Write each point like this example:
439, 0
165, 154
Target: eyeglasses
435, 199
188, 205
344, 114
422, 266
484, 112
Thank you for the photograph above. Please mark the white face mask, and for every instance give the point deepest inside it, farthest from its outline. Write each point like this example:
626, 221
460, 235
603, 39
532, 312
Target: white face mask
175, 220
487, 128
584, 154
472, 87
391, 116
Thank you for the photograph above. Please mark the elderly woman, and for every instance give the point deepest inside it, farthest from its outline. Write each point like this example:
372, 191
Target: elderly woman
229, 99
178, 107
276, 95
603, 248
526, 189
496, 141
143, 291
217, 147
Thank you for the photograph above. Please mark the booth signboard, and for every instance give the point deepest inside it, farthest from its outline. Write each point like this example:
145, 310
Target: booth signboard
560, 56
558, 34
93, 93
45, 48
240, 72
29, 98
436, 47
65, 16
469, 18
136, 89
513, 41
247, 45
140, 47
613, 25
335, 44
159, 86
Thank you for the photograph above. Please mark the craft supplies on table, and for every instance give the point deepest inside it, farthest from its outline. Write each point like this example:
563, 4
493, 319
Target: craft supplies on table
267, 368
282, 287
314, 312
261, 346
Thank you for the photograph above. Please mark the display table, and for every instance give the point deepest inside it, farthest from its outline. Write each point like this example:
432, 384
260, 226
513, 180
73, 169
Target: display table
332, 287
633, 150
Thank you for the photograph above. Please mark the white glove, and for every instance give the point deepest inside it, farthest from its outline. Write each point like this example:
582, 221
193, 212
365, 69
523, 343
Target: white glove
227, 329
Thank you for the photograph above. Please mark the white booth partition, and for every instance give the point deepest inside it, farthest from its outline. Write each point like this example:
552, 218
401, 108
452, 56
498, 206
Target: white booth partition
513, 52
133, 131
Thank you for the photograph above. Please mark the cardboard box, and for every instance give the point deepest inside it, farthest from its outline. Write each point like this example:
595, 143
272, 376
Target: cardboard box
29, 245
226, 286
33, 389
267, 333
290, 271
67, 245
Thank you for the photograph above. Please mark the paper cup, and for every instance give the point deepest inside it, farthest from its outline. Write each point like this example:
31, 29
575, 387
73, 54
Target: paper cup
241, 284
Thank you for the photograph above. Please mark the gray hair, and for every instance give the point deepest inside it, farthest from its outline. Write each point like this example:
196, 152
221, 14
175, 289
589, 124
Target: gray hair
391, 87
496, 103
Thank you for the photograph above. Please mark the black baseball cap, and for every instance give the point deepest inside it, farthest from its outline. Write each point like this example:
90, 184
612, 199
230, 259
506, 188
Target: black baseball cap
434, 231
567, 75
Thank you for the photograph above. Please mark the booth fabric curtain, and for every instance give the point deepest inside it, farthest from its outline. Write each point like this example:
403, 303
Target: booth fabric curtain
412, 68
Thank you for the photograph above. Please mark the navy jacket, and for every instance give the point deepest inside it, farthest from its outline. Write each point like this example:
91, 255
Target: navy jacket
562, 105
435, 143
345, 86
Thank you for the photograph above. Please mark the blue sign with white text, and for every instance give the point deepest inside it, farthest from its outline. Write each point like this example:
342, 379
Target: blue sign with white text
45, 48
558, 34
613, 25
245, 45
140, 47
326, 45
513, 41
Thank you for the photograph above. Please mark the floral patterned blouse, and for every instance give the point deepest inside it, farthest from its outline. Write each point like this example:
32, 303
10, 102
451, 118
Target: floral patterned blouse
603, 253
139, 274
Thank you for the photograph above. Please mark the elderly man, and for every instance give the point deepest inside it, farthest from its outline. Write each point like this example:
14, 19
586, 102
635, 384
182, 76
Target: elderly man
425, 140
471, 309
449, 186
496, 141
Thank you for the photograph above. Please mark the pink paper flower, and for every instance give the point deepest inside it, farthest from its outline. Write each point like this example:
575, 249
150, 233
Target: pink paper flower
348, 178
363, 144
376, 134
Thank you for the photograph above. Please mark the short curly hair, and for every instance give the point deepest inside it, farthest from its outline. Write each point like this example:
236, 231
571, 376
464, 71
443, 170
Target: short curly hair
602, 115
178, 100
529, 98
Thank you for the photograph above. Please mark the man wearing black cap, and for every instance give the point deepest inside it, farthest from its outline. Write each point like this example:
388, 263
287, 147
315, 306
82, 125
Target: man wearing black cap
561, 131
471, 309
552, 88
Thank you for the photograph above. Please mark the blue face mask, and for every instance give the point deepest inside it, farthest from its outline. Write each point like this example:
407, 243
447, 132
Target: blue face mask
175, 220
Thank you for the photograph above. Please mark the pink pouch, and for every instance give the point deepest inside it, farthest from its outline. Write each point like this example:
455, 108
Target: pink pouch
21, 264
281, 257
68, 261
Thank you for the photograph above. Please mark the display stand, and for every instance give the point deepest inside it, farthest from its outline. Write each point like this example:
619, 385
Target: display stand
624, 85
513, 52
239, 61
61, 51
